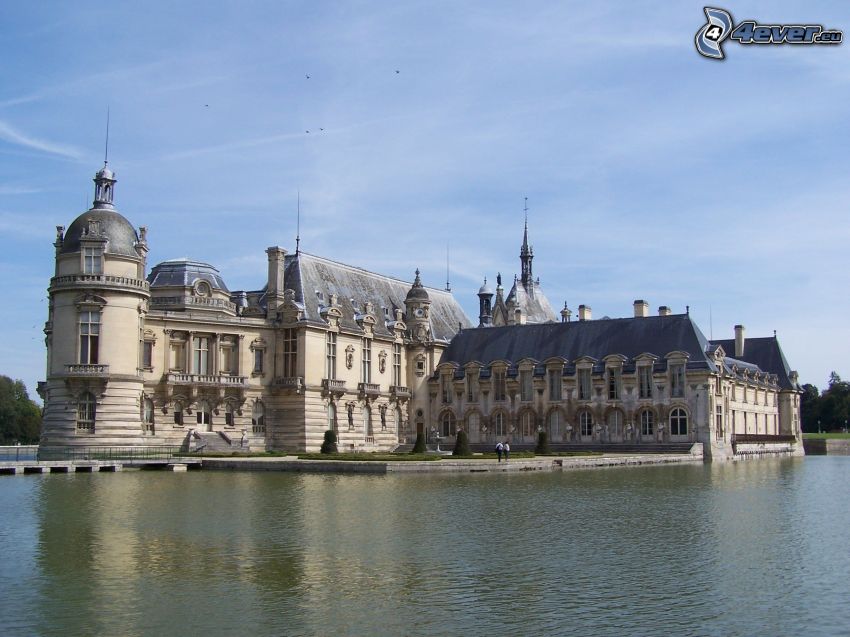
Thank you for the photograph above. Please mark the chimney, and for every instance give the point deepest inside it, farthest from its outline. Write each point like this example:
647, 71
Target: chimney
664, 311
641, 308
583, 312
739, 341
274, 288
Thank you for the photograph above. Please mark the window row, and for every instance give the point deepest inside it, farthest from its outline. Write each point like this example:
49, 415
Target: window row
331, 339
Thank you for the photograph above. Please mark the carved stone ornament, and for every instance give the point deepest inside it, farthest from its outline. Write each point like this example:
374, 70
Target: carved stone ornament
382, 361
349, 357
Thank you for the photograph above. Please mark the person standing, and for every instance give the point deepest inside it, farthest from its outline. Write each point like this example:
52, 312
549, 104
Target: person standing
507, 449
499, 450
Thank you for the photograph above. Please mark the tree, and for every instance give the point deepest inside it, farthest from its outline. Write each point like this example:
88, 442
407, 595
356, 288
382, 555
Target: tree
810, 408
542, 444
329, 443
419, 447
462, 444
20, 417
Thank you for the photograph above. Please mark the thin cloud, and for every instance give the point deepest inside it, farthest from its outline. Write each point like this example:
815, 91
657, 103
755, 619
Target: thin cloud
17, 138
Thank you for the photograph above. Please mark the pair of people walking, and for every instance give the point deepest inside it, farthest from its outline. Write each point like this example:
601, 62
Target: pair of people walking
503, 448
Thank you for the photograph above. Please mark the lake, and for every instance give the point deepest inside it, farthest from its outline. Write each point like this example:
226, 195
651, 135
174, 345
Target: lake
756, 547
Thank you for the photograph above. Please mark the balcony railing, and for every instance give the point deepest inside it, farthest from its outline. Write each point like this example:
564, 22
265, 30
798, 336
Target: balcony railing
400, 391
179, 378
170, 302
293, 382
83, 280
86, 370
368, 389
333, 385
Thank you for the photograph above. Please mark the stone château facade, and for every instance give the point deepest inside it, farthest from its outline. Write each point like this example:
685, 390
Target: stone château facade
173, 357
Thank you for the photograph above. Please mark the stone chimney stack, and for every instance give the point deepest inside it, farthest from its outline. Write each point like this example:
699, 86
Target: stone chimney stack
274, 288
583, 312
664, 311
641, 308
739, 341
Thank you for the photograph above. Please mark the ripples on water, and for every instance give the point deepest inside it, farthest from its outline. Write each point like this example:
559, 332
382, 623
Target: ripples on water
753, 548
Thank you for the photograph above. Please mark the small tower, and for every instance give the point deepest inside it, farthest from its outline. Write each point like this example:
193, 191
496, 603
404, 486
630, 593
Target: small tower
485, 305
418, 305
98, 299
566, 313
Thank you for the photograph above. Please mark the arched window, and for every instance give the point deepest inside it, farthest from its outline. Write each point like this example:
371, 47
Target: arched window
499, 428
86, 412
473, 425
647, 423
554, 425
258, 418
615, 422
678, 422
331, 417
367, 420
448, 425
585, 421
147, 414
527, 424
203, 415
229, 415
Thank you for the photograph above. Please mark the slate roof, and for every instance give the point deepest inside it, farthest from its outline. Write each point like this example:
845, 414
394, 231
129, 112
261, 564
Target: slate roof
535, 306
630, 337
184, 273
120, 232
765, 353
308, 274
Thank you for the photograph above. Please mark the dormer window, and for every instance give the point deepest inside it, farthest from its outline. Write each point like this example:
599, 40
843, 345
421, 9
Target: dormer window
92, 260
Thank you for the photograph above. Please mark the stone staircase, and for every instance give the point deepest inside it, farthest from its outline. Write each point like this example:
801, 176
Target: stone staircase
205, 441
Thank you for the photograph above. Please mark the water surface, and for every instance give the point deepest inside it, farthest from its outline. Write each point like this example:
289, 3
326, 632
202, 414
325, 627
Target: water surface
748, 548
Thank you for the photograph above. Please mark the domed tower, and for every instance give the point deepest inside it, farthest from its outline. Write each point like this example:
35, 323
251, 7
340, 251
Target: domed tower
98, 299
485, 305
418, 305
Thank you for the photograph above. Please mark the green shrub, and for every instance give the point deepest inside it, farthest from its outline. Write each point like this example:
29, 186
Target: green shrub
329, 443
419, 447
542, 447
461, 444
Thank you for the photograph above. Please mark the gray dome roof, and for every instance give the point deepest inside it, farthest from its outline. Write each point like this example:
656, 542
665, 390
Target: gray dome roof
485, 289
417, 292
184, 273
105, 173
120, 232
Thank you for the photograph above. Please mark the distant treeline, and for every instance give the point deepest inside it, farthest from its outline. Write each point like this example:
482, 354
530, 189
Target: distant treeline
828, 410
20, 417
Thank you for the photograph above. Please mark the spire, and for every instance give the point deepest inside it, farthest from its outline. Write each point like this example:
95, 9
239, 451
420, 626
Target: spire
526, 254
448, 285
298, 225
104, 180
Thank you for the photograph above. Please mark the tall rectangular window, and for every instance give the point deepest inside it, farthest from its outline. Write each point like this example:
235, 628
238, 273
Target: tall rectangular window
472, 386
259, 362
554, 384
290, 353
227, 359
499, 385
147, 354
584, 384
677, 380
366, 373
525, 385
645, 381
89, 337
446, 384
330, 356
397, 364
201, 355
92, 261
613, 384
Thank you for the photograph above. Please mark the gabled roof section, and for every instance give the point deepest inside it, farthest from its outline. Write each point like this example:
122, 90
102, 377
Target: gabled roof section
766, 354
630, 337
315, 278
535, 306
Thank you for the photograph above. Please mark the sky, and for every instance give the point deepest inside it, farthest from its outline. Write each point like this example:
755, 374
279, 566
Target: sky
651, 172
